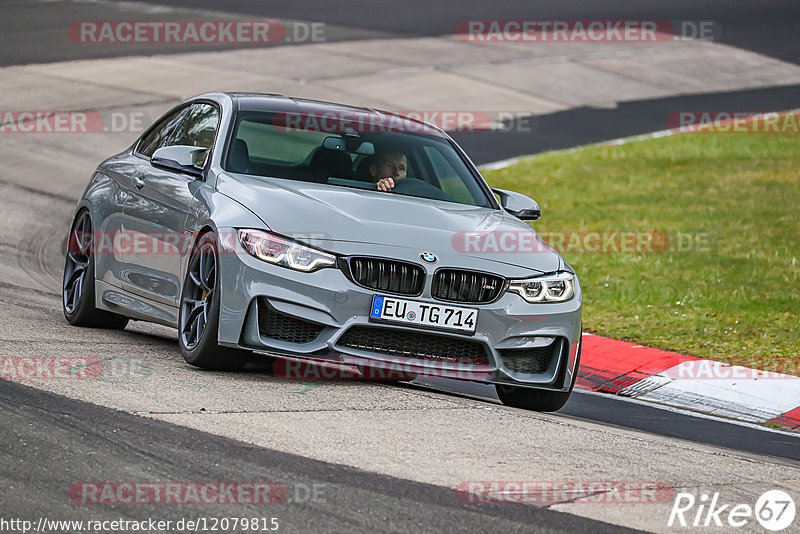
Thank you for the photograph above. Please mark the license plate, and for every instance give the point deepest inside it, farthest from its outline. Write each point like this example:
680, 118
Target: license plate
423, 314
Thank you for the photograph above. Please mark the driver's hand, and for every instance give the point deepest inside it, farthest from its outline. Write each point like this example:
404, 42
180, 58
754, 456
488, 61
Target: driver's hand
385, 184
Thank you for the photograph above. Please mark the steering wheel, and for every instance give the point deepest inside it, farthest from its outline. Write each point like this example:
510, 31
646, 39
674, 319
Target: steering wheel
419, 188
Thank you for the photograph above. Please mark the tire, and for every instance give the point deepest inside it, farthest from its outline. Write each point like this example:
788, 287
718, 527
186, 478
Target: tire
538, 400
198, 317
77, 285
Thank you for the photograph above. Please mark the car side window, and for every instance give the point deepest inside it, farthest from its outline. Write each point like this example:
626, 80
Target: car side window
198, 127
158, 136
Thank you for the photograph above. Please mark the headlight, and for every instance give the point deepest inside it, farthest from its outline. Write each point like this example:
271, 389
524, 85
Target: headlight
284, 252
556, 287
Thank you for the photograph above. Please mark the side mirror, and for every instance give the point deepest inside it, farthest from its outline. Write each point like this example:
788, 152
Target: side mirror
518, 205
182, 158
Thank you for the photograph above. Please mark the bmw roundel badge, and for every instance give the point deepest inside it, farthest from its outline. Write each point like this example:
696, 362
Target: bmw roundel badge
428, 257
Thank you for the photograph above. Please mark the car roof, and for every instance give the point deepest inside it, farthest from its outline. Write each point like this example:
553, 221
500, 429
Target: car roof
276, 103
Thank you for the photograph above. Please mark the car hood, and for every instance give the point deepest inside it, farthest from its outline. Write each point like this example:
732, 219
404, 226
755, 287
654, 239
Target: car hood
344, 220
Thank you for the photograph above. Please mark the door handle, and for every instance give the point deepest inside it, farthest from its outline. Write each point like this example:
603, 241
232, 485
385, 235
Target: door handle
138, 181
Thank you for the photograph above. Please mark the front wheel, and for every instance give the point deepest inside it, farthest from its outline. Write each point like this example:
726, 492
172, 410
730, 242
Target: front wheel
198, 318
537, 400
77, 288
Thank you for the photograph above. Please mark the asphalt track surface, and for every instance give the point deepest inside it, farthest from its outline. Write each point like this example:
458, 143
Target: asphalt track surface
588, 406
769, 28
49, 441
55, 441
34, 32
583, 126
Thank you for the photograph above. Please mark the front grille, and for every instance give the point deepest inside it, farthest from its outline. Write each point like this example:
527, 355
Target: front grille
414, 345
533, 361
466, 286
388, 275
273, 324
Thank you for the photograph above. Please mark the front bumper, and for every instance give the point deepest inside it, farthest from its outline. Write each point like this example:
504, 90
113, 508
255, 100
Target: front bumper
331, 314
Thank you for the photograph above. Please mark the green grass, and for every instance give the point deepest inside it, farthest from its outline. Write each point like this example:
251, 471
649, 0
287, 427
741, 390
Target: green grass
737, 300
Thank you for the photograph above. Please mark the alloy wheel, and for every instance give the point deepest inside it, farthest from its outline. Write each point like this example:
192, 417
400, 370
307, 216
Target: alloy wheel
79, 252
198, 294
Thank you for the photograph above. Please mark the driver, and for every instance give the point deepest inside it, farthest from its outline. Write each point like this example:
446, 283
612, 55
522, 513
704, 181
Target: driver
390, 165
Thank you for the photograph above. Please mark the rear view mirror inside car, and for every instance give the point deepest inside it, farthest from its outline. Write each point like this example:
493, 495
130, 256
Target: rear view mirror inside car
333, 143
337, 143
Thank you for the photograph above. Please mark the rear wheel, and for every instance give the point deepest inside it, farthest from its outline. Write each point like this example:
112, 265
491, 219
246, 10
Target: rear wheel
198, 318
77, 288
538, 400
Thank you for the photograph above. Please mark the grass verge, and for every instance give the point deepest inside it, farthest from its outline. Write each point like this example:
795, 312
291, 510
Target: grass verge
723, 280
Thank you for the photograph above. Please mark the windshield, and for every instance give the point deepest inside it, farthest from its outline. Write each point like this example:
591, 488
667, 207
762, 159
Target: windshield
348, 153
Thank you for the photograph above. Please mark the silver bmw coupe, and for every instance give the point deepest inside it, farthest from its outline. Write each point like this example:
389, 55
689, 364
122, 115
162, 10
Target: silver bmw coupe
316, 234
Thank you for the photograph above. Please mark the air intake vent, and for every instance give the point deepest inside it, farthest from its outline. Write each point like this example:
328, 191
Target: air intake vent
273, 324
414, 345
533, 361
